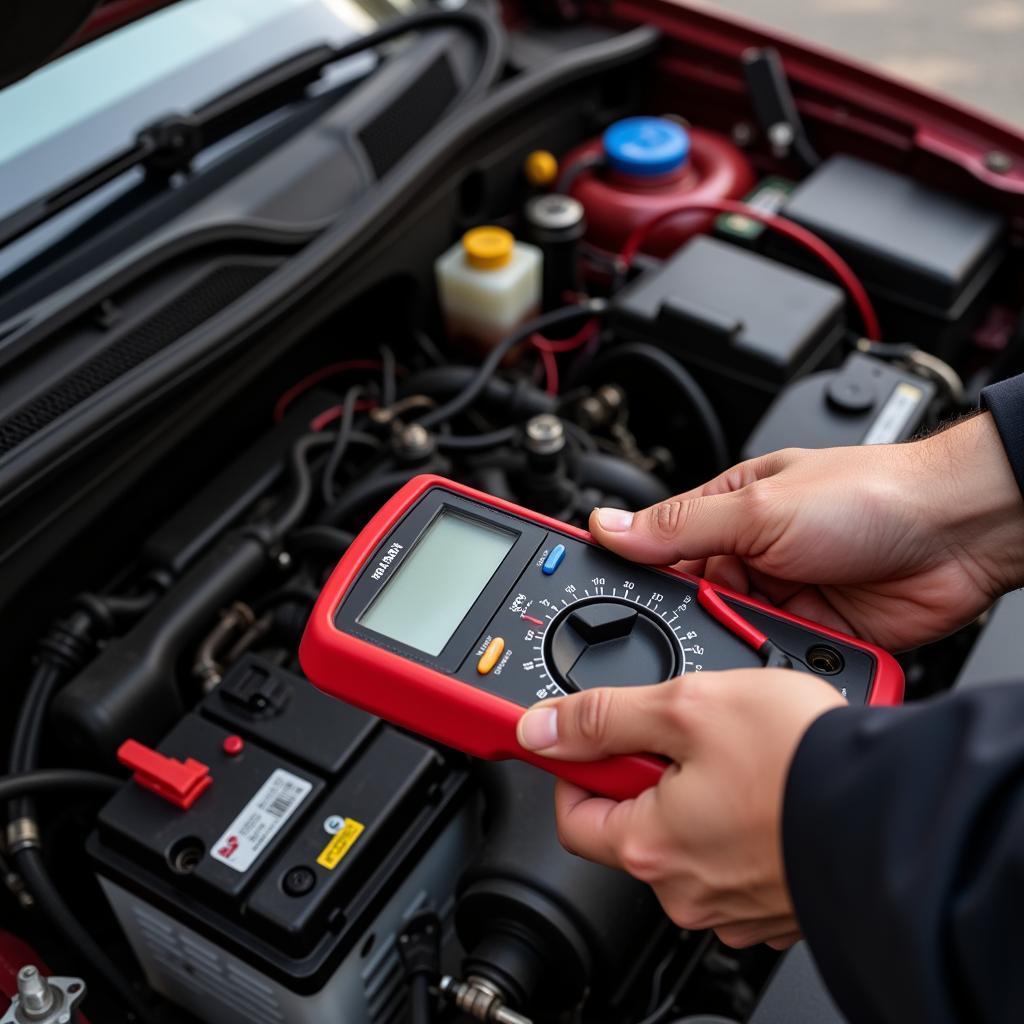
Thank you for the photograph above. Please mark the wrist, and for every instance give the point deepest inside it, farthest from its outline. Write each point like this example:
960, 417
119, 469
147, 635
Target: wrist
975, 503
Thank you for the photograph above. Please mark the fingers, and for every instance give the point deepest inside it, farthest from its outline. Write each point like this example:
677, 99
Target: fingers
617, 834
593, 724
777, 932
680, 528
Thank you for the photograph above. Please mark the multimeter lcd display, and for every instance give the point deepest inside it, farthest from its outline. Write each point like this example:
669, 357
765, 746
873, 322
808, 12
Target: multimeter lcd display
438, 582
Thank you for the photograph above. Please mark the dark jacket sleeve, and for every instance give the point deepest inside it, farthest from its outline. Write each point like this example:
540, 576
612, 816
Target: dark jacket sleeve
1005, 401
903, 831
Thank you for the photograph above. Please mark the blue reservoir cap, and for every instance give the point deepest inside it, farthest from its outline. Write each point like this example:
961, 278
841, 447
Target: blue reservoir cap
646, 146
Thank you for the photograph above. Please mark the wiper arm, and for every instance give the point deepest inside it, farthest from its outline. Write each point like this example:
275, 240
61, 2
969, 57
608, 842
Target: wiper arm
169, 145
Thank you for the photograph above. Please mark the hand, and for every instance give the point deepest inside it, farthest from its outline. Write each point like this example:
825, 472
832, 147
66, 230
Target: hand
898, 544
707, 838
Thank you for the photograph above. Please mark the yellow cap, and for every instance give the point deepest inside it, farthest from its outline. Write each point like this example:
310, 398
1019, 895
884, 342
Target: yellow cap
488, 248
540, 168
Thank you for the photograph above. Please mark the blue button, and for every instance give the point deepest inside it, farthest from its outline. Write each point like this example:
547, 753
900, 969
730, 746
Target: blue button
554, 560
646, 146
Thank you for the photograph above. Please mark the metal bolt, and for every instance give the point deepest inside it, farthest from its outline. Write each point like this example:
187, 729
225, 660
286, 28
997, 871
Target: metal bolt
545, 434
742, 134
36, 996
284, 560
998, 162
780, 136
413, 442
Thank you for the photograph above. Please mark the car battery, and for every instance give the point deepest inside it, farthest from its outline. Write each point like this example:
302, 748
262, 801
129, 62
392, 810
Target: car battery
926, 258
744, 325
865, 401
265, 855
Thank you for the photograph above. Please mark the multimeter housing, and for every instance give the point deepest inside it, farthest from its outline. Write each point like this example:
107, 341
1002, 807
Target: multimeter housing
549, 619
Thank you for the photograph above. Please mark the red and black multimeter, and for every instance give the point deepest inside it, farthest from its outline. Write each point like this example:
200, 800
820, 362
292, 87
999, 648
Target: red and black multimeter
453, 611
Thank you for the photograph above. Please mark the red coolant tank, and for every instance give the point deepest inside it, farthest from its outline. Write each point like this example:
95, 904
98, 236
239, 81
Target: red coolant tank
647, 165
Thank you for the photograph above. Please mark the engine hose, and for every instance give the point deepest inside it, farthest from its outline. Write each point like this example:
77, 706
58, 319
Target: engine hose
519, 399
27, 784
617, 477
683, 381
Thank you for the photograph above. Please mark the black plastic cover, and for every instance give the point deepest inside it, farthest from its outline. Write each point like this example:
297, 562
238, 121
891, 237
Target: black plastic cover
865, 401
746, 317
904, 239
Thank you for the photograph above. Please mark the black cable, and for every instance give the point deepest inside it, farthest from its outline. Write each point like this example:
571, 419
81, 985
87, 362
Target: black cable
665, 1007
429, 348
469, 394
475, 442
301, 482
341, 442
683, 380
374, 488
23, 784
421, 1002
320, 538
28, 730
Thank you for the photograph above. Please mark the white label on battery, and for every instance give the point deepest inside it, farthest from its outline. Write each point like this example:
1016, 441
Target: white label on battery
260, 820
891, 423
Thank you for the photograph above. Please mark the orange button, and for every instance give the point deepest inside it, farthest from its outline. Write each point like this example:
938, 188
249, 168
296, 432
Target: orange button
490, 657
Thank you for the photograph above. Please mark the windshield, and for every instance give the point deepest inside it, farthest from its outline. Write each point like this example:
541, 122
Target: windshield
86, 106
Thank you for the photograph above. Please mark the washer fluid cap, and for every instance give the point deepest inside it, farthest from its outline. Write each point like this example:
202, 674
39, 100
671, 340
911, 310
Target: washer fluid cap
646, 146
488, 248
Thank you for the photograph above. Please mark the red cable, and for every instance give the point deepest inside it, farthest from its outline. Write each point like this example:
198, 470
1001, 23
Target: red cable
330, 414
302, 386
577, 340
794, 232
547, 357
711, 601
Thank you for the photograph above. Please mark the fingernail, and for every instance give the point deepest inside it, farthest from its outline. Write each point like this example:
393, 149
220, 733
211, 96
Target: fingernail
615, 520
538, 729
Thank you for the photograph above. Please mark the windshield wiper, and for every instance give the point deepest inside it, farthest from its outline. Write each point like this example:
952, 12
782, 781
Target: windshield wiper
169, 145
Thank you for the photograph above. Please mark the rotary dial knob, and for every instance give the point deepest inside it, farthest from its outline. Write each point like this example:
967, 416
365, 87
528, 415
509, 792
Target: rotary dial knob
610, 643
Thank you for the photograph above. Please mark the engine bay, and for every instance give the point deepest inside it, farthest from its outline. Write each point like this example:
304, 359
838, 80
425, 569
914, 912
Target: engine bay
625, 283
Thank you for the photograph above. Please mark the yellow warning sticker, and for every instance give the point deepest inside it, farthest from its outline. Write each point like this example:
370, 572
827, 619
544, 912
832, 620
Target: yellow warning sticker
341, 842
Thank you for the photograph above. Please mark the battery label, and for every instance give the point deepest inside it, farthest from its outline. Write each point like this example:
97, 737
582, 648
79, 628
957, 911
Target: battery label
341, 842
260, 820
891, 423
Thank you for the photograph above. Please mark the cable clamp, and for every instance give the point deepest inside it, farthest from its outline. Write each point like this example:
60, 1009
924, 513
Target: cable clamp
22, 834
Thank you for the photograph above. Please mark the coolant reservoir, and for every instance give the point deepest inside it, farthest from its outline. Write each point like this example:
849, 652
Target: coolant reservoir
488, 284
647, 166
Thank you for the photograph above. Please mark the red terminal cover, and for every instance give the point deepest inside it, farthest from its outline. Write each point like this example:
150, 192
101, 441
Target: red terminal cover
418, 698
178, 782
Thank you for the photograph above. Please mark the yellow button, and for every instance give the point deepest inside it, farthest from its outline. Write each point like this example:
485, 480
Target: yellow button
488, 248
490, 656
540, 168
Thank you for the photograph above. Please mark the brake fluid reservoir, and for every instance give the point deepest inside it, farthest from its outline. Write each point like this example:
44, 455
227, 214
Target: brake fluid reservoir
647, 166
488, 284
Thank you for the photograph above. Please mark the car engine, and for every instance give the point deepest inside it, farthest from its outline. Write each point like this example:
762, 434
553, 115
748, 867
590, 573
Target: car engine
607, 299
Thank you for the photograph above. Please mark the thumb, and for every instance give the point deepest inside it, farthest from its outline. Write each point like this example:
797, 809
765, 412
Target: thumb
684, 527
594, 724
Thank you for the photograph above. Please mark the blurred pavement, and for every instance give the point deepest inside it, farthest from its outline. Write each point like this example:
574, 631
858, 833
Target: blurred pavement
971, 50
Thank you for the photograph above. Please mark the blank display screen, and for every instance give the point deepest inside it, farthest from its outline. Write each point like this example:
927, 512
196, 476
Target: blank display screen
438, 582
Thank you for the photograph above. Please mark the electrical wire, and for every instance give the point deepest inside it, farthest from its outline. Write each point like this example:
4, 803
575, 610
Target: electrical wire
550, 363
465, 398
311, 380
25, 784
475, 442
665, 1007
301, 482
807, 240
341, 443
684, 381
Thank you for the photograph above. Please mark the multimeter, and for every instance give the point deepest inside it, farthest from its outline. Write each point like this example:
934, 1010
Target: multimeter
453, 611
